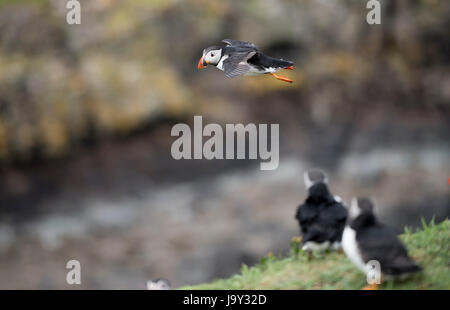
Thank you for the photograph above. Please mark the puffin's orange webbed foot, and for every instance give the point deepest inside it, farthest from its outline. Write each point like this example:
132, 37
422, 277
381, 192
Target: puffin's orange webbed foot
371, 287
282, 78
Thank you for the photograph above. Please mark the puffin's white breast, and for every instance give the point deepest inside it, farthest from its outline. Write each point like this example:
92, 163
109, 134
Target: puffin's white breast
350, 247
255, 70
220, 64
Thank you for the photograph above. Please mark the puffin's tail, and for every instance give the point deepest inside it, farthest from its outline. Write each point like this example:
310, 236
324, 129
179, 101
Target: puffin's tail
275, 62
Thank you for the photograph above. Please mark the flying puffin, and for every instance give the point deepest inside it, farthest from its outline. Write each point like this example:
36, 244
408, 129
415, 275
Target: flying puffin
243, 58
158, 284
365, 239
322, 216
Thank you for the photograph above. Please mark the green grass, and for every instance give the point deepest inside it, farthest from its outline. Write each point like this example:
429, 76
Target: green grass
429, 247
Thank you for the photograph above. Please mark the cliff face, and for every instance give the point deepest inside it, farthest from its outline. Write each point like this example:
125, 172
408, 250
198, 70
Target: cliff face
129, 63
86, 113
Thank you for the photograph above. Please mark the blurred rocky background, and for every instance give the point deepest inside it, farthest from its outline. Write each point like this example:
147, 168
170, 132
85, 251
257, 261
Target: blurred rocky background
86, 112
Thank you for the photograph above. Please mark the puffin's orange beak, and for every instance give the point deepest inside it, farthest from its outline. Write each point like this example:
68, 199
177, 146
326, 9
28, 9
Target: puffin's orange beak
201, 63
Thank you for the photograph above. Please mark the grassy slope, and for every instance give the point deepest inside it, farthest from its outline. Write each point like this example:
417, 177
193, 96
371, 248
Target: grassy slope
430, 247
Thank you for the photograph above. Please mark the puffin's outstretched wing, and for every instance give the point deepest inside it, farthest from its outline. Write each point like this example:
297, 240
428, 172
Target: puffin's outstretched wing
237, 64
238, 43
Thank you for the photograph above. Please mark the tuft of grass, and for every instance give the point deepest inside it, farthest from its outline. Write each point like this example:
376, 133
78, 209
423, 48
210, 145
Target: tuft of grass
429, 247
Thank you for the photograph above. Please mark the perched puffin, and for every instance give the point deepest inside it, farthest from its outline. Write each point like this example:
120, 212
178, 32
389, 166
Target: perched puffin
243, 58
158, 284
322, 216
365, 239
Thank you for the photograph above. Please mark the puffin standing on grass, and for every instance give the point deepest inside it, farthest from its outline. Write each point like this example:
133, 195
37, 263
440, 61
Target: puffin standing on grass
322, 216
365, 239
243, 58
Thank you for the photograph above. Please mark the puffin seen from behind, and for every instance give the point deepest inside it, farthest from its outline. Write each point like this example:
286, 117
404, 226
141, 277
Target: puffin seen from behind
365, 239
322, 216
243, 58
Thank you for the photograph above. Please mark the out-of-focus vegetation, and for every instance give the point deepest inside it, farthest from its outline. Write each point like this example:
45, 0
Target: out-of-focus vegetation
130, 62
429, 247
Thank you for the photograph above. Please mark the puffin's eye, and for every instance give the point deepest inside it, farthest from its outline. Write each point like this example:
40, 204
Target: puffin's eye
212, 54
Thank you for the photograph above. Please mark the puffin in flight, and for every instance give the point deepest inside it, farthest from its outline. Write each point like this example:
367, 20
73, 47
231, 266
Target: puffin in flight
322, 216
243, 58
365, 239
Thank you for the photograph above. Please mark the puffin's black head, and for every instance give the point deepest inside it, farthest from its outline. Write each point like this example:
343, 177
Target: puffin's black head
211, 56
314, 176
361, 206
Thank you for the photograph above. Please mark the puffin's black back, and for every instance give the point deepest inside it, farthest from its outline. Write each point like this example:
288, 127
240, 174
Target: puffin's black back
378, 242
321, 217
263, 61
259, 59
